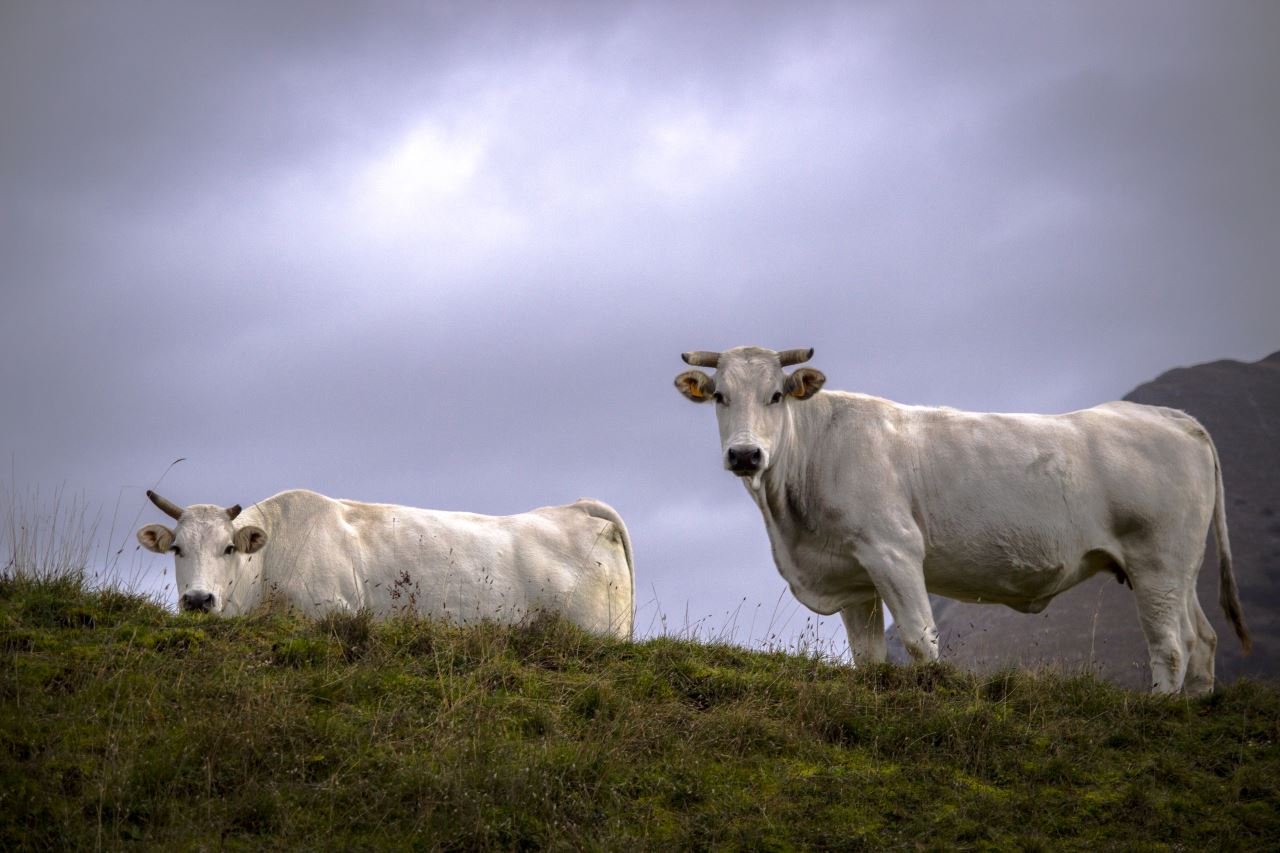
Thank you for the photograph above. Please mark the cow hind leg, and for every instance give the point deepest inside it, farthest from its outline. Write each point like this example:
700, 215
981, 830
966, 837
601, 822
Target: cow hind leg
1160, 592
864, 623
1203, 645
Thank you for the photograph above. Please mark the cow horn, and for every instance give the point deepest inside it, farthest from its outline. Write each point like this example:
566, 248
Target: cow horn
701, 358
166, 506
788, 357
233, 511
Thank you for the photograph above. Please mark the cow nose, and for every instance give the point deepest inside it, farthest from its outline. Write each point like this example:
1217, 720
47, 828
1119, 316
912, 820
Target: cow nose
197, 600
744, 458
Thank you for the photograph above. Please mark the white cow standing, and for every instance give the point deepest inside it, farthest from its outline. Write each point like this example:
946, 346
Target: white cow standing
869, 501
322, 554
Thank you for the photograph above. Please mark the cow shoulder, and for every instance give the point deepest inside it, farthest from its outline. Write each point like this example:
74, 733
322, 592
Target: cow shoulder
847, 467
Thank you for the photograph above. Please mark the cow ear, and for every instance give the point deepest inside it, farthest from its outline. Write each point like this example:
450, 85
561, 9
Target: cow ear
156, 537
250, 539
805, 382
696, 385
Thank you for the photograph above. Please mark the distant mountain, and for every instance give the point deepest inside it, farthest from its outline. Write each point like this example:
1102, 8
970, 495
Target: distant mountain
1095, 624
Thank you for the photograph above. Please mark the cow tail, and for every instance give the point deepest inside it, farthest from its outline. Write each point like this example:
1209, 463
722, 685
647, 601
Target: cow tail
601, 510
1228, 594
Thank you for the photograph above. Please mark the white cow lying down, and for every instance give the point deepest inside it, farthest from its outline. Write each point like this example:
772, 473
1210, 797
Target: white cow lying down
322, 555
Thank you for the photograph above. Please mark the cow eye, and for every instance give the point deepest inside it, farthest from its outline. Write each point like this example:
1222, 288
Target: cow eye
176, 551
719, 398
228, 549
776, 398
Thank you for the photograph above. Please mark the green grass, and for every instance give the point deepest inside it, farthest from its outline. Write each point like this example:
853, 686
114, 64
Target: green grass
122, 724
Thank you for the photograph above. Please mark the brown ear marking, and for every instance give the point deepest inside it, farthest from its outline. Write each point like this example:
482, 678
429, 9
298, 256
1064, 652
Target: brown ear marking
155, 537
250, 539
805, 382
695, 385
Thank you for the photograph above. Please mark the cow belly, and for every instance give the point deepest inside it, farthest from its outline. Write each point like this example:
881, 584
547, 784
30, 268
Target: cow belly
1024, 578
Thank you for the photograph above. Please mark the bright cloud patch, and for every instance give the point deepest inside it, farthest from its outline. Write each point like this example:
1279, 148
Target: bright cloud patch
418, 175
427, 163
430, 186
688, 155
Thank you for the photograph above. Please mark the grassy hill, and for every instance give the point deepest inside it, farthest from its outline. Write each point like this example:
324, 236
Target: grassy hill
122, 724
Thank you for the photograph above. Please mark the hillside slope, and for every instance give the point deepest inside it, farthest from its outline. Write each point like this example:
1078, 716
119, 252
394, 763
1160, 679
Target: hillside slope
124, 725
1095, 624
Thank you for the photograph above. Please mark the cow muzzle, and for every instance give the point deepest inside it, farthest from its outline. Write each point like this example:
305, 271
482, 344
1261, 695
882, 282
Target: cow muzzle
744, 459
196, 600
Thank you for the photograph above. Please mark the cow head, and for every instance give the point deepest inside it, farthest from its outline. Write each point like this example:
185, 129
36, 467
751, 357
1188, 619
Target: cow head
751, 393
208, 550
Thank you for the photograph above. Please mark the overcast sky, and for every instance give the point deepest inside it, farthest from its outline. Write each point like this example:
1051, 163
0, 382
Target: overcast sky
448, 254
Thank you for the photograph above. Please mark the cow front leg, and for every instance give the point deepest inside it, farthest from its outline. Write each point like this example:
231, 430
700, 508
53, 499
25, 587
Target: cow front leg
864, 623
898, 574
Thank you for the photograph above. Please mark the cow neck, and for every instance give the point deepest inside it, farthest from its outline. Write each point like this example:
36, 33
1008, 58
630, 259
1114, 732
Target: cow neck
265, 514
785, 473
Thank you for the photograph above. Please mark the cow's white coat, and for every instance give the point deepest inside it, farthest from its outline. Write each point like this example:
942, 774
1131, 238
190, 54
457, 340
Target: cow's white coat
322, 554
869, 501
